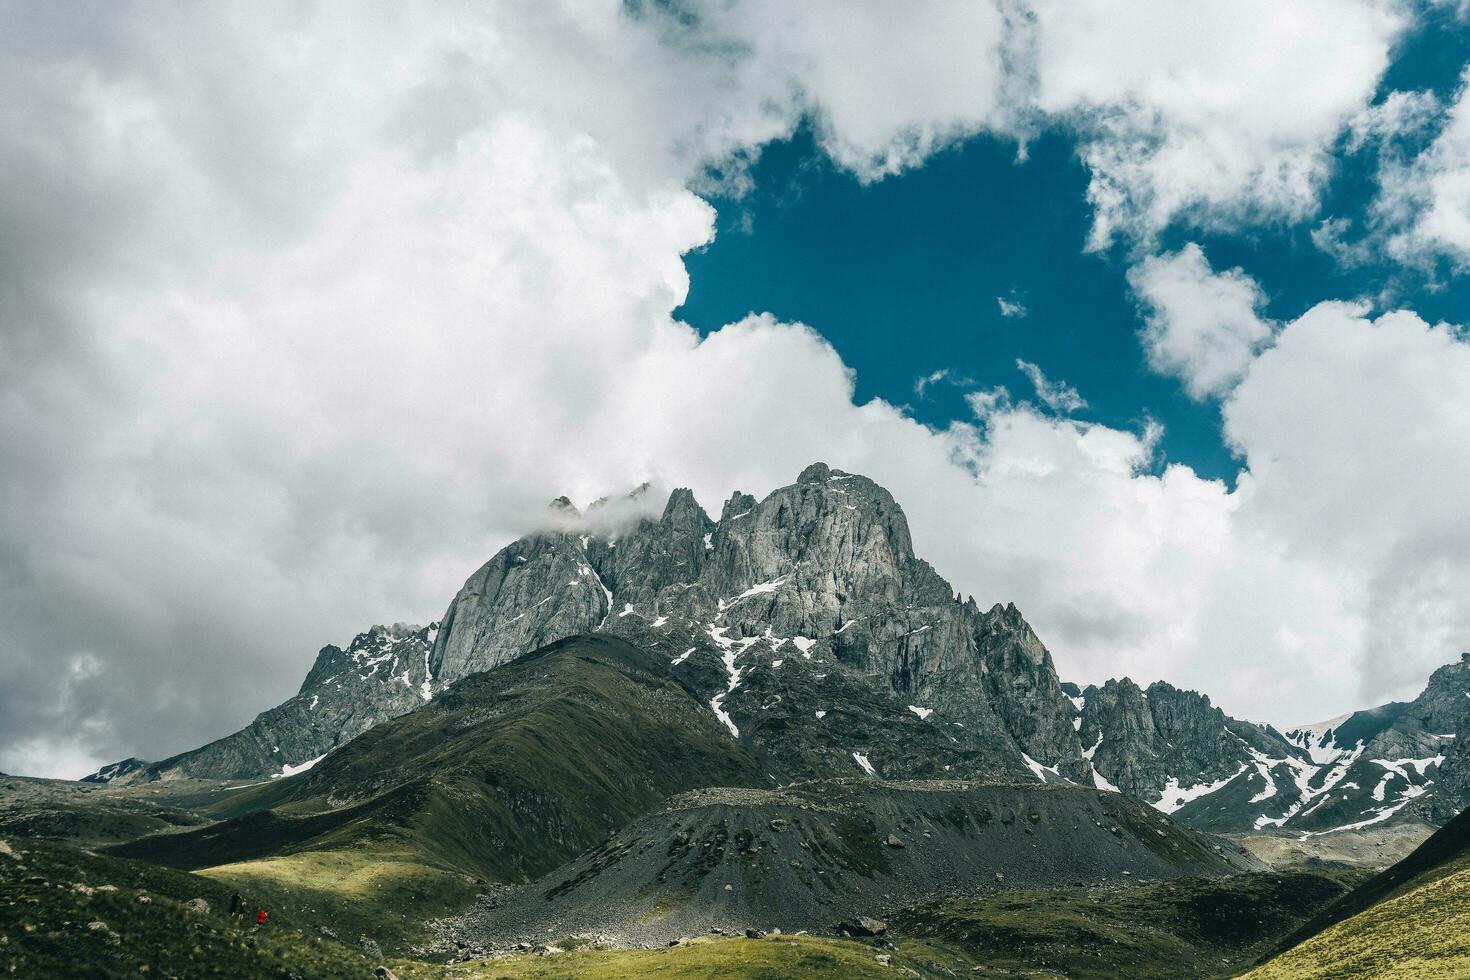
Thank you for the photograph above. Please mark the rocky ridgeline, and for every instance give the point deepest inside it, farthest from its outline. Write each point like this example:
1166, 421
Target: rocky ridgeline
1144, 738
808, 613
1397, 759
382, 674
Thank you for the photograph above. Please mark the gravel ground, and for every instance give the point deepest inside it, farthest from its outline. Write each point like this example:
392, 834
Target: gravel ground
816, 855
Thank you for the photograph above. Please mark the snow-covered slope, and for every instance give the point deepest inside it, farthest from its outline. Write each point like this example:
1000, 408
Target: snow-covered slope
1396, 761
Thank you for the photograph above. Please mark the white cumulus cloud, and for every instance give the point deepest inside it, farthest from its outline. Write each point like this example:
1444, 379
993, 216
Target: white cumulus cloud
1427, 199
1011, 307
1217, 113
1203, 326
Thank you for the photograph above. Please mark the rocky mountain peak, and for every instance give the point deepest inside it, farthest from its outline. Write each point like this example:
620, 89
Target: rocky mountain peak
682, 507
738, 505
815, 473
827, 561
820, 573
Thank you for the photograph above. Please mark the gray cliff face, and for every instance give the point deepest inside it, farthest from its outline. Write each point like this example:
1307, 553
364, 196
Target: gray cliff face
1022, 683
829, 554
1454, 772
828, 560
1140, 739
537, 590
1428, 722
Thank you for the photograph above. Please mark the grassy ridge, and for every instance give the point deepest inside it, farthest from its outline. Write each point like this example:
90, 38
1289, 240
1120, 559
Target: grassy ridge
1413, 920
1419, 935
387, 898
1192, 927
772, 958
1445, 852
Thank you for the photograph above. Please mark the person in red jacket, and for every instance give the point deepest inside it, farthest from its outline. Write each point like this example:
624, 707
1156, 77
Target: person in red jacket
260, 917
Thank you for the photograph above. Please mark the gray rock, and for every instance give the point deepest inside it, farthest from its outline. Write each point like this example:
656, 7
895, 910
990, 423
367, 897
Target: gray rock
1139, 740
1399, 761
862, 926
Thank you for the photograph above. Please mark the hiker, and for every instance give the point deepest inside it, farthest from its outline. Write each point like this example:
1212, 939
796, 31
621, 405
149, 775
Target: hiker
260, 918
237, 906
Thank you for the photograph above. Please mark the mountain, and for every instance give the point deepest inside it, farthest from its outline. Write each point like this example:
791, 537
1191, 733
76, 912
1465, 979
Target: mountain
820, 576
1164, 744
1399, 761
1402, 755
823, 569
116, 771
807, 625
382, 674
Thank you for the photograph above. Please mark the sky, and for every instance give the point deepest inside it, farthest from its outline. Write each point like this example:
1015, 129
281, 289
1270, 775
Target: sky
1151, 315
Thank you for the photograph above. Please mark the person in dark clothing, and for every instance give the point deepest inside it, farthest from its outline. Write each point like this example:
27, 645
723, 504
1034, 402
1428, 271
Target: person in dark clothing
237, 905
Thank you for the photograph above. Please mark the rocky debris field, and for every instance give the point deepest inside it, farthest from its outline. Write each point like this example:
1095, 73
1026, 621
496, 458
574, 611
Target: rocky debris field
818, 855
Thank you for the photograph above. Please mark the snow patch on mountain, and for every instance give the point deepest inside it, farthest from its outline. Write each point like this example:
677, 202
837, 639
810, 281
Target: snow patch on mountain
731, 651
1041, 772
1175, 796
300, 767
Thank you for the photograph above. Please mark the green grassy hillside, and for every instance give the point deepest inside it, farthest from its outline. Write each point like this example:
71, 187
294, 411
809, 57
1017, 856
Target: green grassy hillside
1421, 934
728, 958
65, 912
1413, 920
1189, 927
503, 777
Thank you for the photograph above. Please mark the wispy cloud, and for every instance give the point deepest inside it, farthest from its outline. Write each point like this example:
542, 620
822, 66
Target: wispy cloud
1056, 395
1011, 307
942, 376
